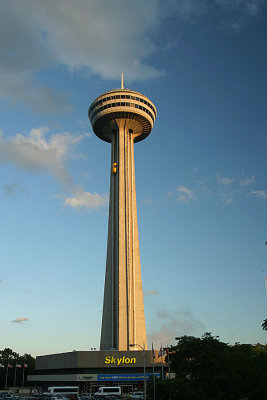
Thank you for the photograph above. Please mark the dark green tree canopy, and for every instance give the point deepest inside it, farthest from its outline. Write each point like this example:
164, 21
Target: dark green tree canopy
209, 369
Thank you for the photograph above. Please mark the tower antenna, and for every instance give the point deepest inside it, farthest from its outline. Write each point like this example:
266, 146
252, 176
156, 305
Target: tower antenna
122, 81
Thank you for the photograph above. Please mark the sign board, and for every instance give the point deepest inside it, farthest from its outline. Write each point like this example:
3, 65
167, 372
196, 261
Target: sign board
86, 377
124, 377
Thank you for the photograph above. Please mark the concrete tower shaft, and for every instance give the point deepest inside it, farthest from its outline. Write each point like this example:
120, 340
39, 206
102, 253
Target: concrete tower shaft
122, 117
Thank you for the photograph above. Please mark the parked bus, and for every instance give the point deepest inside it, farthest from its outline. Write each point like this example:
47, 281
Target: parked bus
70, 391
108, 391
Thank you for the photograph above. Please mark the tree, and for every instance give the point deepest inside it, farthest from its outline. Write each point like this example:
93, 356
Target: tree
198, 357
210, 369
8, 356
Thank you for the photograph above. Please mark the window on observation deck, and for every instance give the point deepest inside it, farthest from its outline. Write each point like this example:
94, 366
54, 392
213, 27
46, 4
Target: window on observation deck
93, 113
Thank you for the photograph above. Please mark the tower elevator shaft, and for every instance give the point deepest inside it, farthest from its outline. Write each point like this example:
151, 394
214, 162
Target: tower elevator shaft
123, 320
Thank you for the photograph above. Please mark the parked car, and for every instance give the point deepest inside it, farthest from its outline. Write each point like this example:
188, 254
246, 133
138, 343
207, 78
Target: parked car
105, 397
6, 395
27, 398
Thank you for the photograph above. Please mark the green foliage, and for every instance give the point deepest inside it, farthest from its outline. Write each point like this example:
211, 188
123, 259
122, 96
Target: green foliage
207, 368
7, 356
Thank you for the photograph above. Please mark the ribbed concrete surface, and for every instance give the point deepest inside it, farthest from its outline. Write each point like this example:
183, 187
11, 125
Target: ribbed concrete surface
123, 320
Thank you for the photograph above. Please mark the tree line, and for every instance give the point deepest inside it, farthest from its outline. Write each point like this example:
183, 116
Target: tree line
209, 369
15, 368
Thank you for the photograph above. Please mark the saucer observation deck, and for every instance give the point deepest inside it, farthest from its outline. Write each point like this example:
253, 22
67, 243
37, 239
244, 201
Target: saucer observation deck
136, 108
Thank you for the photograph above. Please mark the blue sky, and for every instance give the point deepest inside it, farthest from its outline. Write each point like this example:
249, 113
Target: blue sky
201, 176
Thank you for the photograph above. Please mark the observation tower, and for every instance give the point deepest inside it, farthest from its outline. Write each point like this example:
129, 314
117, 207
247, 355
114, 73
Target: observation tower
122, 117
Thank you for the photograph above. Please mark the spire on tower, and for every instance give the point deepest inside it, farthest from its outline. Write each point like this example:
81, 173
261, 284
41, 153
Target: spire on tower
122, 81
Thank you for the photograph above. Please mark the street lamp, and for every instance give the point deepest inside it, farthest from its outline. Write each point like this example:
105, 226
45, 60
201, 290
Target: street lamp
144, 356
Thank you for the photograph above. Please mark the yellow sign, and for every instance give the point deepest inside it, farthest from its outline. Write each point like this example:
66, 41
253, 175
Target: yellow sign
121, 360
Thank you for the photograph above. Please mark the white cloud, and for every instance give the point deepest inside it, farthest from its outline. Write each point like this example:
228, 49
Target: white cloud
104, 37
228, 197
247, 181
230, 188
85, 201
39, 152
262, 194
227, 193
185, 195
100, 37
93, 37
20, 320
227, 189
36, 152
222, 180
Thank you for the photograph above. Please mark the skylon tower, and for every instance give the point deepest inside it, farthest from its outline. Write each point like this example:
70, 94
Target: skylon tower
122, 117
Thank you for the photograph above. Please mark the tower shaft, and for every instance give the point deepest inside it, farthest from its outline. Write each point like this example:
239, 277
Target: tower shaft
123, 320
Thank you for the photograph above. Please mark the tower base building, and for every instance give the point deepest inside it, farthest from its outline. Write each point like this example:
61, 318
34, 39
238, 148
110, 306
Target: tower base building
90, 370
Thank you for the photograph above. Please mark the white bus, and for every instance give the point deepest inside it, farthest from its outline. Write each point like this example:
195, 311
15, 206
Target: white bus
108, 391
65, 390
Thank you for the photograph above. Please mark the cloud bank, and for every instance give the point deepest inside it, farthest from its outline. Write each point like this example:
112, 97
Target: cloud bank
38, 152
95, 37
227, 189
86, 37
